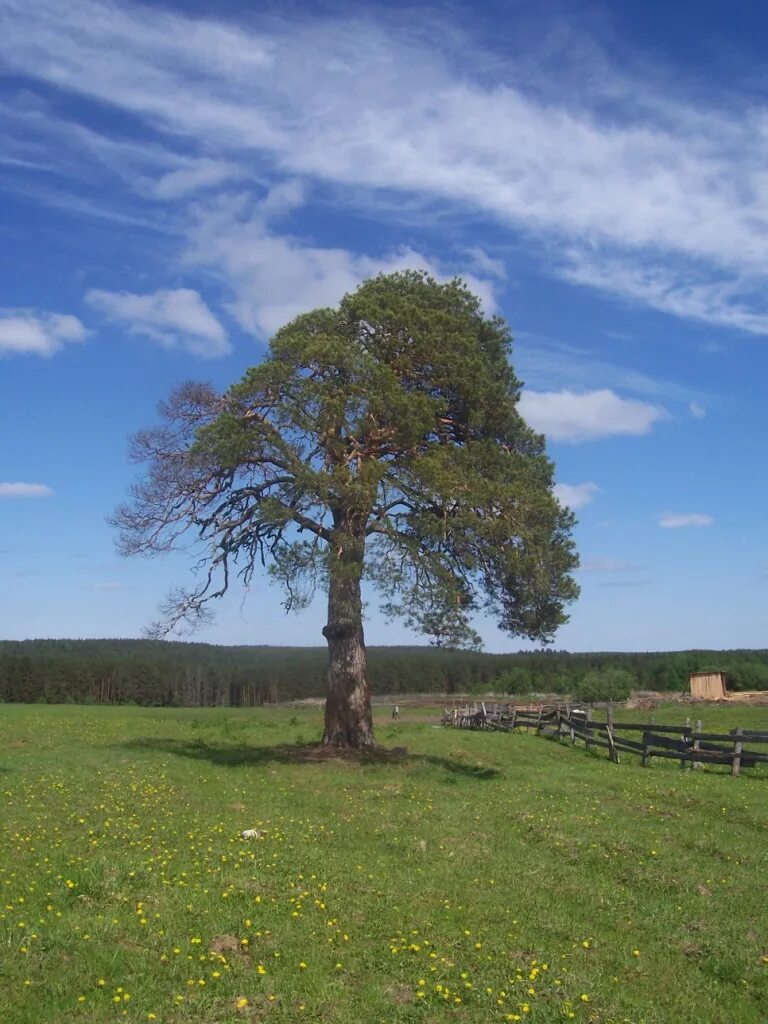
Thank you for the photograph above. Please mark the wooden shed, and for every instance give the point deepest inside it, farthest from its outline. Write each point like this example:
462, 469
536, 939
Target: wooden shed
708, 686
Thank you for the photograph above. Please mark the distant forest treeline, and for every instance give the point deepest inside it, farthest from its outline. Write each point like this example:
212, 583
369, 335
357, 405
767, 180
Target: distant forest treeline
159, 673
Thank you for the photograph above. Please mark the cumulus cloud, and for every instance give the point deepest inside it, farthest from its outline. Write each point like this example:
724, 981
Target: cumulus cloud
570, 416
20, 490
575, 495
177, 318
677, 520
30, 332
662, 198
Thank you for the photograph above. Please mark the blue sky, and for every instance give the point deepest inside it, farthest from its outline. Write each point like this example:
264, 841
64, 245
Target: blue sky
175, 185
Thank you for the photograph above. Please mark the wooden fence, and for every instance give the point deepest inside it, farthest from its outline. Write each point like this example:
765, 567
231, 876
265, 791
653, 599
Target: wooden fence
687, 743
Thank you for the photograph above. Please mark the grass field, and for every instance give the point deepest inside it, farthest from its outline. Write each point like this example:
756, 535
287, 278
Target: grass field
479, 878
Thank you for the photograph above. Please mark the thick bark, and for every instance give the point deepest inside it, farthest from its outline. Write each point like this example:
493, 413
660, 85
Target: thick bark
348, 720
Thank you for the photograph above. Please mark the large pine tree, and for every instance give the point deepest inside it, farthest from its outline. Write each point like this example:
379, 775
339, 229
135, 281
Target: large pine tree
377, 441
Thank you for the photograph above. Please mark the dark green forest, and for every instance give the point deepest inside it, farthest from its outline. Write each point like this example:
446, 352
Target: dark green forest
160, 673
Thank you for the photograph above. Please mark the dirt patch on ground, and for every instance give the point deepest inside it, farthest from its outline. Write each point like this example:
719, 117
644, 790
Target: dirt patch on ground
400, 994
225, 944
746, 697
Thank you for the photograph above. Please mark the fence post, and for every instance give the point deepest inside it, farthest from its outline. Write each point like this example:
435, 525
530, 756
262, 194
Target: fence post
737, 748
646, 749
614, 754
514, 717
538, 722
697, 764
685, 736
588, 727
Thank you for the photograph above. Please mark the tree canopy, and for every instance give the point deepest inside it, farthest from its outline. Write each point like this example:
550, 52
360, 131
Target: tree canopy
379, 440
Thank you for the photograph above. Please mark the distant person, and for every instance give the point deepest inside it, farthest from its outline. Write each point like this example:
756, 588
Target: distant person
396, 711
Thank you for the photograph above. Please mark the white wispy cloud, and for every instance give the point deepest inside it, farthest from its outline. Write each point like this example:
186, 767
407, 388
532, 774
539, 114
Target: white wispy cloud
697, 410
735, 303
546, 365
274, 275
661, 200
46, 141
609, 565
678, 520
570, 416
194, 177
21, 490
576, 496
632, 582
486, 266
32, 332
177, 318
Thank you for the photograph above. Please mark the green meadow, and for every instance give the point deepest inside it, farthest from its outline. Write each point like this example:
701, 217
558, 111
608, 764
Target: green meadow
475, 877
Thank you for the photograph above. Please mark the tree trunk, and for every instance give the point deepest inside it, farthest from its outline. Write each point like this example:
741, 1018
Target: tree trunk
348, 720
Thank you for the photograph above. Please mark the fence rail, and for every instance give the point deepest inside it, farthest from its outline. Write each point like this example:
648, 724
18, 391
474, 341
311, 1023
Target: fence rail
687, 743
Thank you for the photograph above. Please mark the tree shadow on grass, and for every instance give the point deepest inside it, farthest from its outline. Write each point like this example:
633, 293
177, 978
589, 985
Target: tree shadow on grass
235, 756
